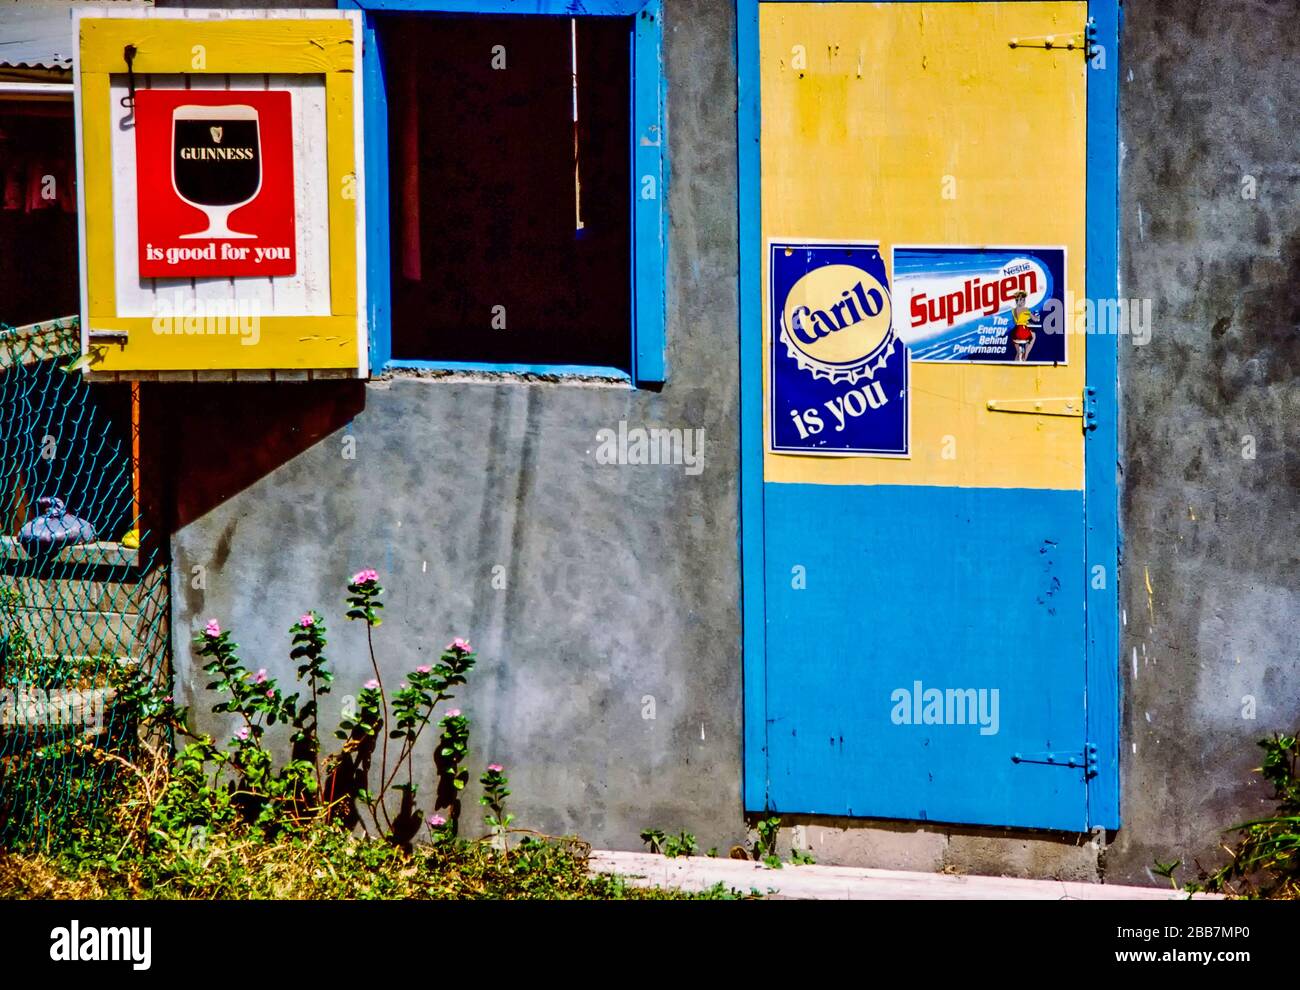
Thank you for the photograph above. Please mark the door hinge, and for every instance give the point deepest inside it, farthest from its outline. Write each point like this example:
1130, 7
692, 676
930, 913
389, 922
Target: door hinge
1084, 408
1039, 406
1081, 41
1089, 408
1085, 760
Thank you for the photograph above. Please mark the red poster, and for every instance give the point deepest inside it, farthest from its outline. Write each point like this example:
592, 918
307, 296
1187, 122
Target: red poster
214, 182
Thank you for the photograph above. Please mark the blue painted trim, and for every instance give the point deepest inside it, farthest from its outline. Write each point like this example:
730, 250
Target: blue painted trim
486, 367
534, 8
753, 591
648, 178
649, 157
1101, 483
1102, 536
378, 247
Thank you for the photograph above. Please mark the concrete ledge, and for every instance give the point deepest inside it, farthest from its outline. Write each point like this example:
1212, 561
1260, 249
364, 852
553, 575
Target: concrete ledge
102, 553
848, 883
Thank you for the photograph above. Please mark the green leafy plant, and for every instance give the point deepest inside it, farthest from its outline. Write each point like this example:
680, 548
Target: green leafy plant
682, 844
672, 846
765, 848
449, 759
495, 792
242, 777
654, 838
309, 642
18, 657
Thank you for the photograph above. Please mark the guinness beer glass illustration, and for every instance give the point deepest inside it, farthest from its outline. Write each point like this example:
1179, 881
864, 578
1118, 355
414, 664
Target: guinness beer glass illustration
216, 162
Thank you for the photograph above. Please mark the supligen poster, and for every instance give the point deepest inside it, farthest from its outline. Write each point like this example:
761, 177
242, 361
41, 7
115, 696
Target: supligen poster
999, 305
838, 375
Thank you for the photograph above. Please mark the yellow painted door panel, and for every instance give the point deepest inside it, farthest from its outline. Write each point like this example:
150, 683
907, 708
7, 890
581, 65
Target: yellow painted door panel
920, 124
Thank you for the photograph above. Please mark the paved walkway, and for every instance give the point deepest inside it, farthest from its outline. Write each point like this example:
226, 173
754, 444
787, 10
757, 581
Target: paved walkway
848, 883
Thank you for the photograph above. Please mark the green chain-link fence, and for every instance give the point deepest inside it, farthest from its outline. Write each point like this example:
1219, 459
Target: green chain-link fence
76, 622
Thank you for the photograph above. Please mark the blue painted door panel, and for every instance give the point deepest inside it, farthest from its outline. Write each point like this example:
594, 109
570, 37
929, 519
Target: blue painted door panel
934, 637
872, 589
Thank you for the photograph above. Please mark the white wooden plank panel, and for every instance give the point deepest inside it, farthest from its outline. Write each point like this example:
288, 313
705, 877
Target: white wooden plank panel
250, 290
307, 291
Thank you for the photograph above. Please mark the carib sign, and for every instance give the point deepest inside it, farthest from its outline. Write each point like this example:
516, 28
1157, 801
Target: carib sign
837, 372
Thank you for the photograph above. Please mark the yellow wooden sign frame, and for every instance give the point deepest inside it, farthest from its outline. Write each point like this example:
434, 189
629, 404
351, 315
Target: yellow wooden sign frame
327, 46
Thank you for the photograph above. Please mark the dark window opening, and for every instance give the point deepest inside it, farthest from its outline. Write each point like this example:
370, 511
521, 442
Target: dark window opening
509, 172
38, 212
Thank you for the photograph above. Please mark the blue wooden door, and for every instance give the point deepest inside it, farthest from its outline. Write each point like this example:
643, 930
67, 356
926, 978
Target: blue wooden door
936, 638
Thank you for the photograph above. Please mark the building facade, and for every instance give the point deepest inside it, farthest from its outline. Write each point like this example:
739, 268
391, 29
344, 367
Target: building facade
1088, 555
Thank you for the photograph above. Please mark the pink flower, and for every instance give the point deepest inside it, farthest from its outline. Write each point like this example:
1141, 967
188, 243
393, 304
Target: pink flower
270, 694
372, 685
437, 821
460, 644
242, 734
402, 686
261, 677
495, 767
423, 669
167, 700
365, 576
307, 620
454, 713
213, 628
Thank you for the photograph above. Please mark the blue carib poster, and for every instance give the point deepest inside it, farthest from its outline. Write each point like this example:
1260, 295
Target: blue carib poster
995, 305
837, 373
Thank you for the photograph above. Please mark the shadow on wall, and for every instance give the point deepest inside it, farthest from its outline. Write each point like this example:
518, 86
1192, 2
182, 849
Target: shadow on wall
211, 441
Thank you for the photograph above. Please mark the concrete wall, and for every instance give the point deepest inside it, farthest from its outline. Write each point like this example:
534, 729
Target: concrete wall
622, 582
1209, 97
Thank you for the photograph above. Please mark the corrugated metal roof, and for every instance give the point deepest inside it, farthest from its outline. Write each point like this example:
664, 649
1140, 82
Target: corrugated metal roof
37, 34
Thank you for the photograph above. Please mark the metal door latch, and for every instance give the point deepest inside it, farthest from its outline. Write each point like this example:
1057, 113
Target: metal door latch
1039, 406
118, 337
1084, 408
1081, 41
1085, 760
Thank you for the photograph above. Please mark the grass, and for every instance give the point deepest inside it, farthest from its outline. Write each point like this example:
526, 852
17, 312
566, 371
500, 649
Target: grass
327, 863
148, 837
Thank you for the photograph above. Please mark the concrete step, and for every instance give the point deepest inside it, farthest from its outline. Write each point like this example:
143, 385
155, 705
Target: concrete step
849, 883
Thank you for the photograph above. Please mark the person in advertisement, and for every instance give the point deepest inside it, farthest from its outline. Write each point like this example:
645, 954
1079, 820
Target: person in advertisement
1026, 325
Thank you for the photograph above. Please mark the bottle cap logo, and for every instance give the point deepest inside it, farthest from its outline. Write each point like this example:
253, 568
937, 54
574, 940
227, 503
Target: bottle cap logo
837, 323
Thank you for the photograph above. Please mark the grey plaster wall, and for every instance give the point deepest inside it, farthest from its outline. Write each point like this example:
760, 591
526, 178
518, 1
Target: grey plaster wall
621, 583
1209, 102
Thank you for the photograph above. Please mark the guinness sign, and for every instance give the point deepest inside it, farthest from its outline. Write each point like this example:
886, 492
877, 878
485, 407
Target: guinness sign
212, 167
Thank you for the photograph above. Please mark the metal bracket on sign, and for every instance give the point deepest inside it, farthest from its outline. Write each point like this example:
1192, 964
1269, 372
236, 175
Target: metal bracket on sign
118, 337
